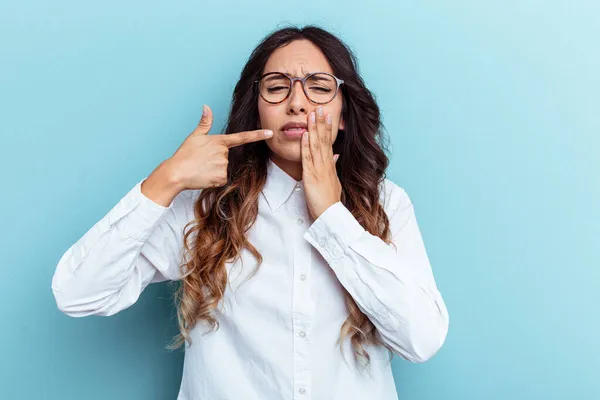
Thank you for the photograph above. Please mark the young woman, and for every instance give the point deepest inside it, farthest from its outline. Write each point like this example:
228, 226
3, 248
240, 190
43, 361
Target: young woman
287, 258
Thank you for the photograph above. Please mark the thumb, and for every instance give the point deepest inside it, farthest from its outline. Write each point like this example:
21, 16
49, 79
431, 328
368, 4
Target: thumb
335, 157
205, 122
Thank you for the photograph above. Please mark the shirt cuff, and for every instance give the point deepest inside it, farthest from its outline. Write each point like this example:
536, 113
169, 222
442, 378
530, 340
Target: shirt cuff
334, 231
137, 215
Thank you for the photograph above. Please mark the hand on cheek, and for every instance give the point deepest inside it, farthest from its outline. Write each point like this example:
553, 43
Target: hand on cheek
321, 183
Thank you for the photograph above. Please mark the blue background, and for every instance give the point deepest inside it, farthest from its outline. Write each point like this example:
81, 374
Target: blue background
493, 110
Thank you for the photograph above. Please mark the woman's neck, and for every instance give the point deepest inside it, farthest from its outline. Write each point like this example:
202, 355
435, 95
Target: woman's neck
292, 168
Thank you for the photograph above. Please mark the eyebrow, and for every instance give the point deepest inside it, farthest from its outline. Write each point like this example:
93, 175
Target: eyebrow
274, 77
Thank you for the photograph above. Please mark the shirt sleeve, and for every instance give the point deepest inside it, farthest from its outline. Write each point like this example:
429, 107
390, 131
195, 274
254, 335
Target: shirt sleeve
394, 287
136, 243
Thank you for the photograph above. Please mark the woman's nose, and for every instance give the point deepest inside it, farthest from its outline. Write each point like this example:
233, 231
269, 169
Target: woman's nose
298, 102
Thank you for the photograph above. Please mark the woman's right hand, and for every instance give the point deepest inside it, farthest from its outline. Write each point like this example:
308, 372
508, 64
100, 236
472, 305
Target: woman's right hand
201, 160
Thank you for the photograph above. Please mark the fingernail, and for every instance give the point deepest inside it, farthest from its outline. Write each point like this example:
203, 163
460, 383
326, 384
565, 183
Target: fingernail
328, 119
312, 117
204, 110
320, 111
268, 133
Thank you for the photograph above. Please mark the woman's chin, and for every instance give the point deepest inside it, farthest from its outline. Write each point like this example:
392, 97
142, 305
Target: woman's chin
287, 156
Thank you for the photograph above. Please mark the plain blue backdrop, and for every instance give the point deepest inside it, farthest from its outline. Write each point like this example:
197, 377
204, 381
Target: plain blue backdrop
493, 110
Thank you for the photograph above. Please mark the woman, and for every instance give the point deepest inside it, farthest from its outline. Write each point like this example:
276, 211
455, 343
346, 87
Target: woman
288, 260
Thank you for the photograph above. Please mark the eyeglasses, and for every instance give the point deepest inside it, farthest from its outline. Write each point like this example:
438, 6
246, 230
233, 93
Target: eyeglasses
319, 87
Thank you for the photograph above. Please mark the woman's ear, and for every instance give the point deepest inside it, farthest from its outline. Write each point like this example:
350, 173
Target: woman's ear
341, 124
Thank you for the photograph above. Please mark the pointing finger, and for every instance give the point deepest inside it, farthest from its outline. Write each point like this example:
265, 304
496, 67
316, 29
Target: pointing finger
236, 139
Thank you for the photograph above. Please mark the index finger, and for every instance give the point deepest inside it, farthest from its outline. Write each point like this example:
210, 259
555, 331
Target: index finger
236, 139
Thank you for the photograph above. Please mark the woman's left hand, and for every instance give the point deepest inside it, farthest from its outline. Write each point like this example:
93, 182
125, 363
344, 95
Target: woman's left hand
321, 183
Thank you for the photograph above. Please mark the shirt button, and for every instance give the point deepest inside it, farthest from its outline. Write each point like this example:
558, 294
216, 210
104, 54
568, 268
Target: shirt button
302, 277
302, 334
297, 188
322, 242
300, 221
301, 390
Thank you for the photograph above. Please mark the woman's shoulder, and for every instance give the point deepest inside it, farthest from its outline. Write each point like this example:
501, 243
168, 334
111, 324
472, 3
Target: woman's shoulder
392, 195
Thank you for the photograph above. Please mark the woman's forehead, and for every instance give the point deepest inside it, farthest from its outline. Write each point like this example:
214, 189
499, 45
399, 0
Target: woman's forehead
298, 58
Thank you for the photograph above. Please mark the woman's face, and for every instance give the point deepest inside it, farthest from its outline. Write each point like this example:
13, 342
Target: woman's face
297, 59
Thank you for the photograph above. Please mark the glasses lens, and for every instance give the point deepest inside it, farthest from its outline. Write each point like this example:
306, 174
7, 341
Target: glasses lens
321, 88
274, 87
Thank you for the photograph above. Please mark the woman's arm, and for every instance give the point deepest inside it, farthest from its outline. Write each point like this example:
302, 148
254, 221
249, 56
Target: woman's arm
141, 240
136, 243
395, 289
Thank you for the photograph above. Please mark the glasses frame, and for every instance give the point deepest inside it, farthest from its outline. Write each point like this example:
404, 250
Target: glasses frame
292, 83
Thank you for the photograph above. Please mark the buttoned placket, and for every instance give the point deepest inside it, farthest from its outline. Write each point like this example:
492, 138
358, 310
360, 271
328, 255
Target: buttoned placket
303, 304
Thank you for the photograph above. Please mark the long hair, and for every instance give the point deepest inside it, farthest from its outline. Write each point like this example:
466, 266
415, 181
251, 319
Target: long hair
223, 215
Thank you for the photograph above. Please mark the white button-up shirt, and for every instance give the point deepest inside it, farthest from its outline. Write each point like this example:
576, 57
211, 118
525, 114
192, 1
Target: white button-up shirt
278, 329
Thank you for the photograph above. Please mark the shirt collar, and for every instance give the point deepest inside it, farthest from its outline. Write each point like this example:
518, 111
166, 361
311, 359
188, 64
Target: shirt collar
279, 186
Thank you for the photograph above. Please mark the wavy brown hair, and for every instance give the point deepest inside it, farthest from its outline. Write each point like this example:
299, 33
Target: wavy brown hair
225, 214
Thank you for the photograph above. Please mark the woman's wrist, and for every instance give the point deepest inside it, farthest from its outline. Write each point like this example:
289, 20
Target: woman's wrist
163, 185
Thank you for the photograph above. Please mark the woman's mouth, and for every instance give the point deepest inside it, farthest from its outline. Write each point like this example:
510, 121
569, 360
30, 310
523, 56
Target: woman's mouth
294, 133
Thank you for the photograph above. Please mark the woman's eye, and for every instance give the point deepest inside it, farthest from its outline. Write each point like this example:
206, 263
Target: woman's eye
277, 88
321, 89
